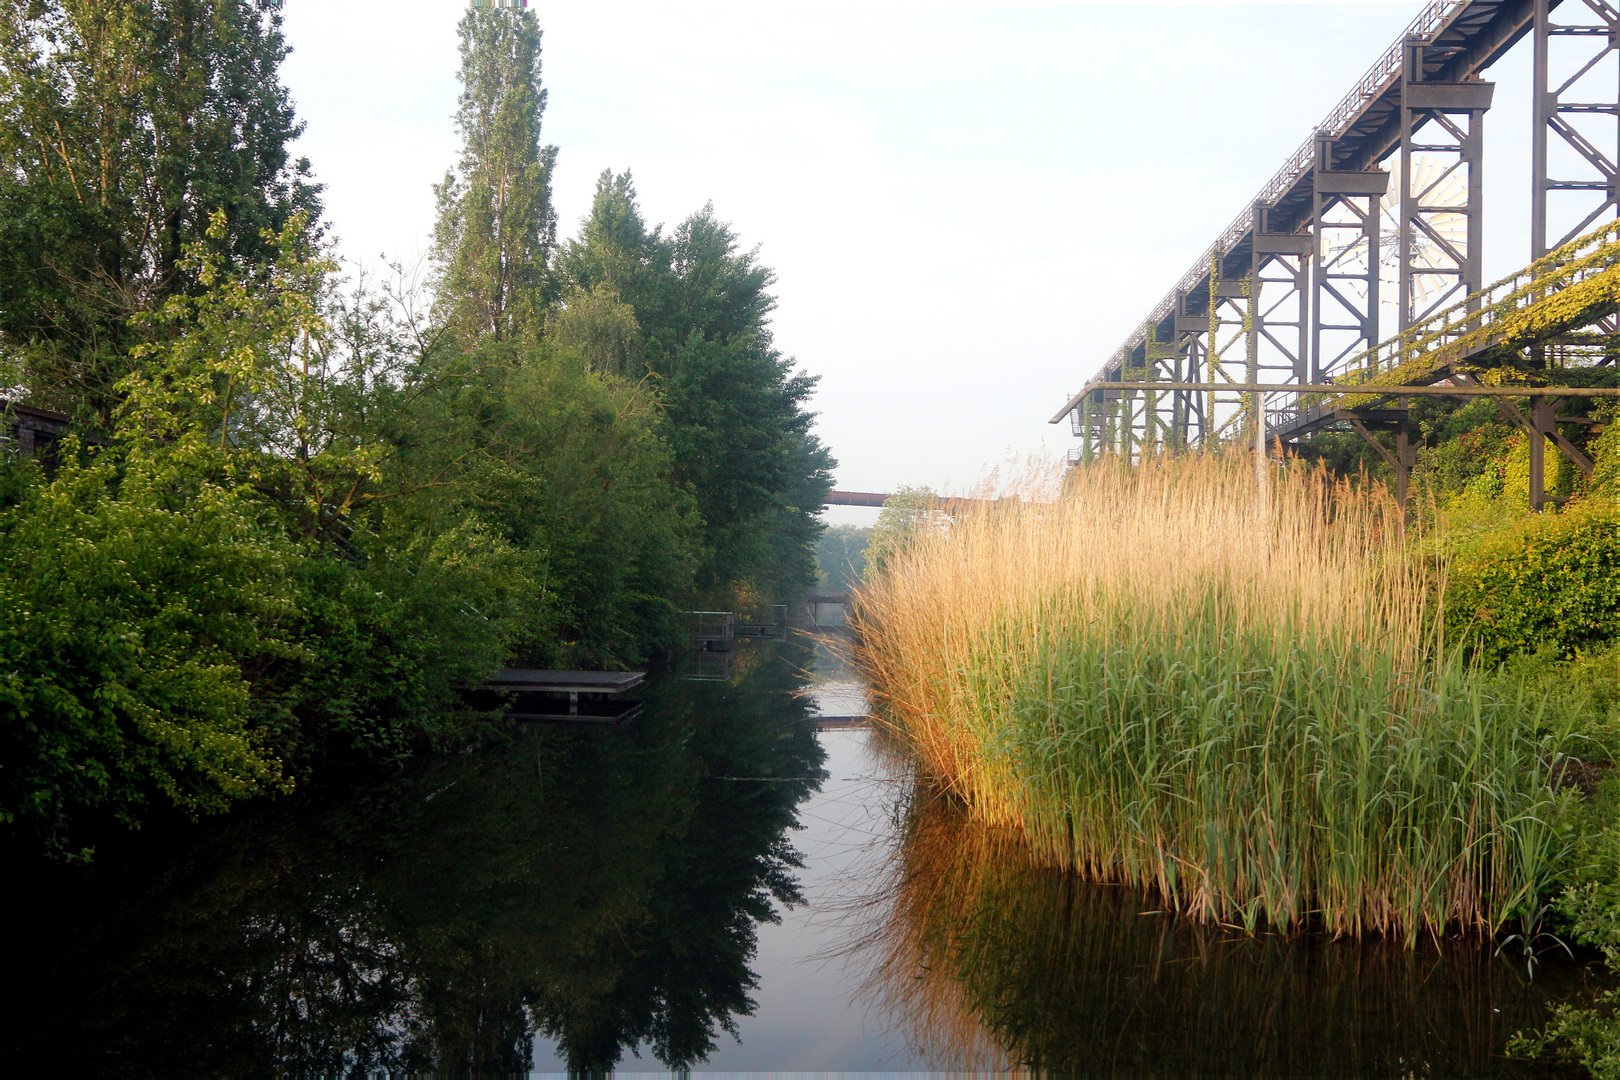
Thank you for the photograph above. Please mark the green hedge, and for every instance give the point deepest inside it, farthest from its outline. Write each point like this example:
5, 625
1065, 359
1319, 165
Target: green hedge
1549, 582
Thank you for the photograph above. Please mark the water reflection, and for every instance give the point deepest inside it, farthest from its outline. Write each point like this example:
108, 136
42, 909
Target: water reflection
599, 887
602, 890
992, 962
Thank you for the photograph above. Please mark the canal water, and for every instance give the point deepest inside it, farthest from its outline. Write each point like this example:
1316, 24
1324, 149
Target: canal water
715, 886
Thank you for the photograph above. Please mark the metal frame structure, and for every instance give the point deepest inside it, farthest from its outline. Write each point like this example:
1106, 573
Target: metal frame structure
1346, 234
1589, 30
1382, 204
1442, 126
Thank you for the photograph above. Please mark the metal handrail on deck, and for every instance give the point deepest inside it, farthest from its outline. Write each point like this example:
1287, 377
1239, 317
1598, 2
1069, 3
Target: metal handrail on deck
1566, 289
1491, 316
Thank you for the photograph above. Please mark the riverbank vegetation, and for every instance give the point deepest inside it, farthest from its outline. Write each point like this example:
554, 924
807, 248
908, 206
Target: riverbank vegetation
301, 504
1246, 705
1308, 712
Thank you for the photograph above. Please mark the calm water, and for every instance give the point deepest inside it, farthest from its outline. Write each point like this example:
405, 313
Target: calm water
714, 886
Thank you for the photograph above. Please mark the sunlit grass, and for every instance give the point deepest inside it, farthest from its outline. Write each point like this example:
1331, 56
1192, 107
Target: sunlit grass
1163, 680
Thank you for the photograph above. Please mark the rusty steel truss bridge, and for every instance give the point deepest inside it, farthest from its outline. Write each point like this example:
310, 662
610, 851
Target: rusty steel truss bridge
1358, 264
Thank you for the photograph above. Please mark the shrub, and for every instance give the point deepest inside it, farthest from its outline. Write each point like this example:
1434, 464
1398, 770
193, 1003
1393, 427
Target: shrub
124, 624
1549, 582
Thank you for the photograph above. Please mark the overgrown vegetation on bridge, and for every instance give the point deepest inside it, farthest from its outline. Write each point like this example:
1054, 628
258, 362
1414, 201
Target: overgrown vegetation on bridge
302, 508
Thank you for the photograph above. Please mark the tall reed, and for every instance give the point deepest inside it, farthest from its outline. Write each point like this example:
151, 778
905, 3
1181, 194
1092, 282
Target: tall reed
1165, 681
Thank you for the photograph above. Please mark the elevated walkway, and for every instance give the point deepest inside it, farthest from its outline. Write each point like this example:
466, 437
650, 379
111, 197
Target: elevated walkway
1560, 307
1525, 337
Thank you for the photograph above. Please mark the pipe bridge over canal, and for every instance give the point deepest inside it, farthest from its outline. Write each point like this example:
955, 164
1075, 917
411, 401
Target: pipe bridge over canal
1358, 263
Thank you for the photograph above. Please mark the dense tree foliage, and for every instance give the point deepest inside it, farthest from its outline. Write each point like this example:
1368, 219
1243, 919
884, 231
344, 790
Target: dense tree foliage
306, 510
124, 126
737, 422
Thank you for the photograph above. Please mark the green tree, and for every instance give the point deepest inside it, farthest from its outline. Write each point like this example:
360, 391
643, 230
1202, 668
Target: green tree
125, 124
906, 513
841, 556
603, 329
496, 225
574, 465
738, 421
254, 576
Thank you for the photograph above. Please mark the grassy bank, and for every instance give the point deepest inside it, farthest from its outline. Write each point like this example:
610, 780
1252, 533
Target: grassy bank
1245, 704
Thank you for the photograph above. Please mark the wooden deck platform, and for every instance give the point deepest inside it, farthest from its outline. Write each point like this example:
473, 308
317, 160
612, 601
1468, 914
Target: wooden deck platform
595, 711
534, 681
839, 723
559, 697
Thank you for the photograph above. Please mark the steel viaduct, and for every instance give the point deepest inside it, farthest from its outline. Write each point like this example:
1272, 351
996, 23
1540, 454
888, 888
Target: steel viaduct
1358, 263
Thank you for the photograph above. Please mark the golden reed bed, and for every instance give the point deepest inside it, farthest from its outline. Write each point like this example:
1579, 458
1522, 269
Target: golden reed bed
1162, 678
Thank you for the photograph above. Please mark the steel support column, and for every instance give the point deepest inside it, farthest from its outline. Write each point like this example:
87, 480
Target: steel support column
1230, 355
1540, 422
1346, 213
1575, 114
1192, 332
1280, 272
1442, 173
1158, 410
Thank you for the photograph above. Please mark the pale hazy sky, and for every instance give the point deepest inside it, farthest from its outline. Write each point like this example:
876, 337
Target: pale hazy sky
968, 207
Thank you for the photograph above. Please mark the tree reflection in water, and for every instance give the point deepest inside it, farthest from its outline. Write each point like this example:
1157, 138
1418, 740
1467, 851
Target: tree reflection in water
599, 887
989, 961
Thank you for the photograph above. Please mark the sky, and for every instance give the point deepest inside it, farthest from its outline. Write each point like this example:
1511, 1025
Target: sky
968, 207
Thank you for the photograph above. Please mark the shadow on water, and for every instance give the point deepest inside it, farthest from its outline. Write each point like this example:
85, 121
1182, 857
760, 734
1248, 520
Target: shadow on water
990, 961
600, 888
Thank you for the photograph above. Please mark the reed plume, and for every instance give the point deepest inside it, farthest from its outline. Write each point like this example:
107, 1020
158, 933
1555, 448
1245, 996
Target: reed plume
1161, 680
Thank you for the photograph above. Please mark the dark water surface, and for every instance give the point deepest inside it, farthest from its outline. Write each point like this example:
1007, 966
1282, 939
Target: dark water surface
714, 886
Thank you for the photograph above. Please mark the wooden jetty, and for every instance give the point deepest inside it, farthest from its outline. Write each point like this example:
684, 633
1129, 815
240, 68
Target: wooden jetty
531, 680
839, 723
565, 697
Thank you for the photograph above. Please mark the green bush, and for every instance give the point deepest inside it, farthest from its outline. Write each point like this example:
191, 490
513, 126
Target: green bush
124, 628
1546, 583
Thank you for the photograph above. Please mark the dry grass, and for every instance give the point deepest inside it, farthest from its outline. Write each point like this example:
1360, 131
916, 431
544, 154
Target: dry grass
1162, 680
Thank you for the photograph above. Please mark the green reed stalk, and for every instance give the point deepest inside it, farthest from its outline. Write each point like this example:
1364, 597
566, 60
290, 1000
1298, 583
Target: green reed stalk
1263, 729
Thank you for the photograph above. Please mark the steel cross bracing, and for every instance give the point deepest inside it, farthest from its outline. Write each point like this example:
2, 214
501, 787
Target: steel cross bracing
1372, 226
1548, 307
1575, 121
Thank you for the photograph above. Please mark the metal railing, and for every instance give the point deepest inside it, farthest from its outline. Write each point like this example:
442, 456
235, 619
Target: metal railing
1544, 298
1562, 292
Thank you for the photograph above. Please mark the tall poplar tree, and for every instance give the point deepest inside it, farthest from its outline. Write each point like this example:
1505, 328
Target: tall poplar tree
496, 224
124, 124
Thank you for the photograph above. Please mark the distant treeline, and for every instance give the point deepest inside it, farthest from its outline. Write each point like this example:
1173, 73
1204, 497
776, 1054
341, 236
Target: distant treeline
301, 505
